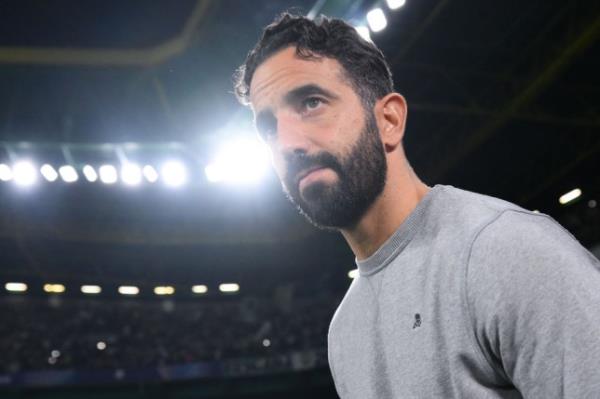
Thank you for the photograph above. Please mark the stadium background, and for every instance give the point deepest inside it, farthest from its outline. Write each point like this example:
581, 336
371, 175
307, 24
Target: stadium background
503, 100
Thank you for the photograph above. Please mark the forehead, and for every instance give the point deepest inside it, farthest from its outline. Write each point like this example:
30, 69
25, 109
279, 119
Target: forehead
285, 70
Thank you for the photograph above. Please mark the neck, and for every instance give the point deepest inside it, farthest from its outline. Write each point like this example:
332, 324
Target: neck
402, 192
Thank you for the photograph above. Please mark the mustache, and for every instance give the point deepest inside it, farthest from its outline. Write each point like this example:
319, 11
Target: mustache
297, 163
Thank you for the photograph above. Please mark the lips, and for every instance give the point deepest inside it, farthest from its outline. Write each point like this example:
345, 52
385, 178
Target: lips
305, 173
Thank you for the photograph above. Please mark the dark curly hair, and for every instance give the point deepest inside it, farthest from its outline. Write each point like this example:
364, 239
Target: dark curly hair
363, 63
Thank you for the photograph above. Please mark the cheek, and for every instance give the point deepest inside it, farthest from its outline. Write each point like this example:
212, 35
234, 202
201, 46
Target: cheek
278, 164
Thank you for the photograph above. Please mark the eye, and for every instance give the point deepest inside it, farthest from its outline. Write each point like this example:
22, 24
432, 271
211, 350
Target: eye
311, 103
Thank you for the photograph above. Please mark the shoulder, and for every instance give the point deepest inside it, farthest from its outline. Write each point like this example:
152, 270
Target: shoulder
519, 253
527, 241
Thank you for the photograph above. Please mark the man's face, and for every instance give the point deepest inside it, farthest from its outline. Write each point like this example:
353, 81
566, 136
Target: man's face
326, 149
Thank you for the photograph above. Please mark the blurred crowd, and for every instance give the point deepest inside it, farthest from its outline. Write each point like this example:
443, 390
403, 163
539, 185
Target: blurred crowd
42, 333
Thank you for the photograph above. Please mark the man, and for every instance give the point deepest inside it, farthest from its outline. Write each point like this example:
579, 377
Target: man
459, 295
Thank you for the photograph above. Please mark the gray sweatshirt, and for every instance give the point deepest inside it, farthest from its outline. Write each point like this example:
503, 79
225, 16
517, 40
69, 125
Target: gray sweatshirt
472, 297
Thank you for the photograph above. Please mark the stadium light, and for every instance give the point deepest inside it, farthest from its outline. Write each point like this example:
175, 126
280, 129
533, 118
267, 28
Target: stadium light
395, 4
239, 161
363, 31
376, 19
49, 172
108, 174
6, 173
266, 342
570, 196
229, 287
24, 173
15, 287
150, 174
91, 289
68, 174
173, 173
90, 173
129, 290
54, 288
353, 273
199, 289
131, 174
164, 290
101, 345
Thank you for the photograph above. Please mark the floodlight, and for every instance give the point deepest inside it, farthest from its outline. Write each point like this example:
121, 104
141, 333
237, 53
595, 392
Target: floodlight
108, 174
90, 173
129, 290
199, 289
101, 345
68, 173
240, 161
6, 173
15, 287
49, 172
173, 173
353, 273
24, 173
150, 174
229, 287
164, 290
91, 289
363, 31
131, 174
376, 19
395, 4
54, 288
570, 196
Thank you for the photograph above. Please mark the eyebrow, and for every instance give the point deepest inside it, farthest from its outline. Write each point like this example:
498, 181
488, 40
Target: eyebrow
301, 92
265, 117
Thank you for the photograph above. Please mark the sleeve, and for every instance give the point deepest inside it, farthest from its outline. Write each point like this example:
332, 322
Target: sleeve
533, 294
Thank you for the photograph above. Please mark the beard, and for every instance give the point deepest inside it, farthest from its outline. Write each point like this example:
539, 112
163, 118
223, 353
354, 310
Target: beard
361, 179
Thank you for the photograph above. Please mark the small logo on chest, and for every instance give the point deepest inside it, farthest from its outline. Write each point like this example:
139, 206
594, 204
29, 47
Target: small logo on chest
417, 321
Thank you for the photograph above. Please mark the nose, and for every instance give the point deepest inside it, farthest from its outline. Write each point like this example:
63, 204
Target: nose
292, 137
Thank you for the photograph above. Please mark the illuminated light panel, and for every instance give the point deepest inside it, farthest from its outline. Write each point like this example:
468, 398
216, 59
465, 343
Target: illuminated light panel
199, 289
54, 288
363, 31
229, 287
353, 273
6, 173
570, 196
24, 173
150, 174
395, 4
108, 174
15, 287
131, 174
68, 174
90, 173
266, 342
240, 161
129, 290
101, 345
164, 290
173, 173
49, 172
376, 19
91, 289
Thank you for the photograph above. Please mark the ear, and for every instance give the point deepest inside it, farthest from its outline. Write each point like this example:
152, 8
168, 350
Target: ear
390, 114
